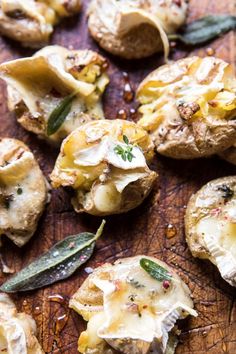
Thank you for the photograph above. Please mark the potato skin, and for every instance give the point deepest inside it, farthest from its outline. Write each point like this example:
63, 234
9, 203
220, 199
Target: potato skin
33, 27
97, 183
23, 183
182, 123
141, 40
33, 102
194, 213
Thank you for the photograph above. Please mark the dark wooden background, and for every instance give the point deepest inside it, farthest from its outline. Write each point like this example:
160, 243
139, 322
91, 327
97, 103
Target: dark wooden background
142, 231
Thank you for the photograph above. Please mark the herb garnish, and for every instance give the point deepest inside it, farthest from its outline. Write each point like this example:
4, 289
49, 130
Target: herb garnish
155, 270
59, 114
58, 263
205, 29
227, 192
125, 153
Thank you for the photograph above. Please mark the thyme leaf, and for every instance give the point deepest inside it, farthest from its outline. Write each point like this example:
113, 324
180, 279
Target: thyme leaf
125, 153
205, 29
58, 263
155, 270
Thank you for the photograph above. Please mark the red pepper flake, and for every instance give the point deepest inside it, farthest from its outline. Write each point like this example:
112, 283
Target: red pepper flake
177, 2
166, 284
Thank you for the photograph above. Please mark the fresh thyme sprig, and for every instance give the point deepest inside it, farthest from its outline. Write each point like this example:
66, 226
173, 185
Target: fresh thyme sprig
125, 153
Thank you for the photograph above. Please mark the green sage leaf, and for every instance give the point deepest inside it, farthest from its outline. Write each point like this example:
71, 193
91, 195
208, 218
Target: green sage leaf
155, 270
59, 114
58, 263
205, 29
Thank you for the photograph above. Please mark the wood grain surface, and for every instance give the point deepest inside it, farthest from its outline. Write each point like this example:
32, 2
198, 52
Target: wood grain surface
142, 231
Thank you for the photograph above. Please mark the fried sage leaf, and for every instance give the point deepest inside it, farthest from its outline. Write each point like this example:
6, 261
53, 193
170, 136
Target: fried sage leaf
155, 270
205, 29
58, 263
59, 114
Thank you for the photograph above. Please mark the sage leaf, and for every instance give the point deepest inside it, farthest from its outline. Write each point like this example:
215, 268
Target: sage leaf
155, 270
205, 29
58, 263
59, 114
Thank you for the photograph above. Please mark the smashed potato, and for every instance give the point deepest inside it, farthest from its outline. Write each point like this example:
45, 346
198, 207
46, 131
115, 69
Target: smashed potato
189, 107
210, 225
37, 86
31, 21
23, 191
128, 310
135, 29
105, 163
17, 330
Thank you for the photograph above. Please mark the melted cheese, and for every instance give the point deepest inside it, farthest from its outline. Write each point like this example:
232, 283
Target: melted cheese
90, 163
119, 18
219, 235
22, 182
136, 307
17, 331
39, 83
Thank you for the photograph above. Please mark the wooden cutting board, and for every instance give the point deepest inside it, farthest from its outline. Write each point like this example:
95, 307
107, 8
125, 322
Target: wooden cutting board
142, 231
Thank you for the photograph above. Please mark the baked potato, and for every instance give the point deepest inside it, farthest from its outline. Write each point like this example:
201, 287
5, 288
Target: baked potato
105, 163
31, 21
189, 107
37, 86
229, 154
17, 330
128, 310
23, 191
135, 29
210, 224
